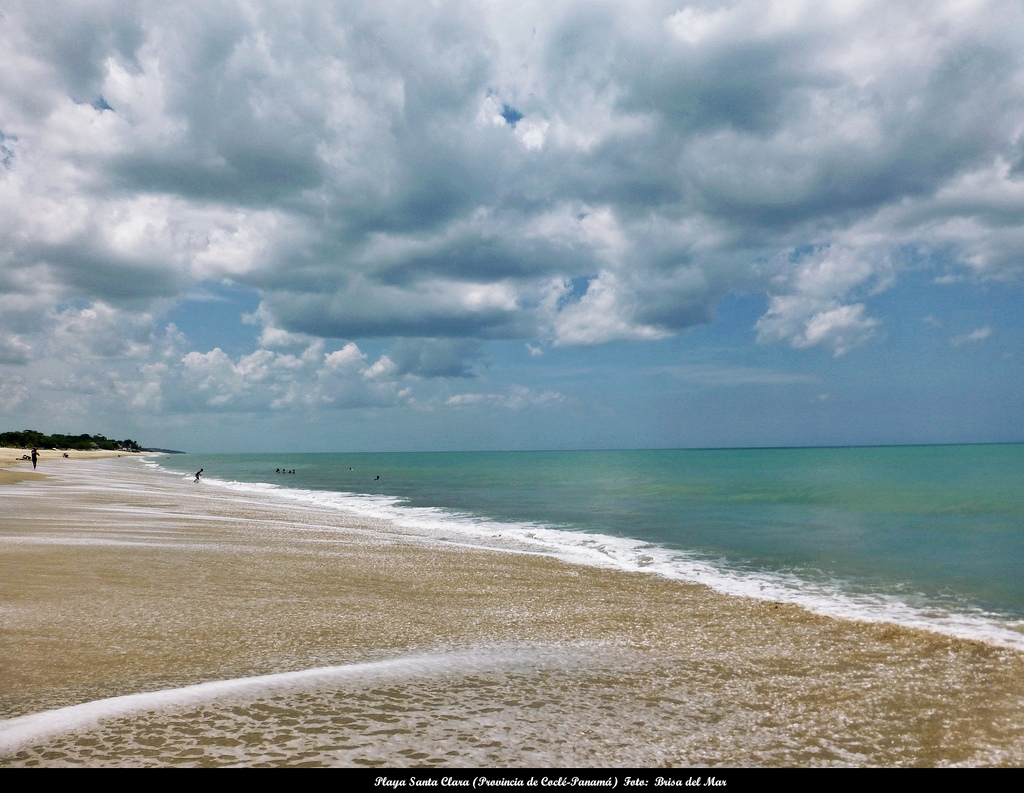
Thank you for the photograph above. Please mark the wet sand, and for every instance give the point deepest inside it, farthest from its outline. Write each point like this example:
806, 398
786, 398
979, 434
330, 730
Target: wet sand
116, 580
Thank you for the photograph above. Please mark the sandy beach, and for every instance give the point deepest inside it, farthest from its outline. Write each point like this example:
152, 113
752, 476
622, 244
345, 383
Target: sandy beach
14, 469
117, 580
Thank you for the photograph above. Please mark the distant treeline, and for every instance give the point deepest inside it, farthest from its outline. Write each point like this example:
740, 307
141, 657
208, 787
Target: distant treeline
29, 439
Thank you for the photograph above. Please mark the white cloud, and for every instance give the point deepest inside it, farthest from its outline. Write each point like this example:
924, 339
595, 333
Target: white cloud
975, 336
14, 393
348, 358
383, 369
694, 25
517, 397
601, 315
102, 331
814, 312
259, 381
461, 400
808, 322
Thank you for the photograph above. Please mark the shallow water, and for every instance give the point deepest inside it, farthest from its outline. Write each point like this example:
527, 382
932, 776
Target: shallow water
927, 535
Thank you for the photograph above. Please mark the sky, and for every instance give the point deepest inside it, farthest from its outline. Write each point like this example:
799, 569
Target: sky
402, 226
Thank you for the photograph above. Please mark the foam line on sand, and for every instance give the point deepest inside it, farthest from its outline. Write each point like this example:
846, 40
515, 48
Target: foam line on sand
35, 728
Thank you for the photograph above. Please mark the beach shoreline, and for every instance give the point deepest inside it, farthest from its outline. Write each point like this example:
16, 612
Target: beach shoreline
118, 580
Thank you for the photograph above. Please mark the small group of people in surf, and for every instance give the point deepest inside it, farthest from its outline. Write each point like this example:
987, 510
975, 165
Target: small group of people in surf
200, 471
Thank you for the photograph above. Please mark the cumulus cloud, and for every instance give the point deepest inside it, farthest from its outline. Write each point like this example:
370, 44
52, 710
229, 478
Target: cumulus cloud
449, 173
274, 380
603, 313
975, 336
814, 311
807, 323
160, 375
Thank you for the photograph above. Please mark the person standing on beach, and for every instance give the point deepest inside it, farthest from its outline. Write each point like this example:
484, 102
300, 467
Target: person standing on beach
197, 474
35, 456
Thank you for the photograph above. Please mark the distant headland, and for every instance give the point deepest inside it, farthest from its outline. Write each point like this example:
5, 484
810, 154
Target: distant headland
32, 439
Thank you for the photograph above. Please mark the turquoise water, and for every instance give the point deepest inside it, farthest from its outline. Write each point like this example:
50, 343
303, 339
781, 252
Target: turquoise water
912, 533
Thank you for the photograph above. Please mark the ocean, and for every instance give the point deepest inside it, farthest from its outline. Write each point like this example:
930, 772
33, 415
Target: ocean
922, 536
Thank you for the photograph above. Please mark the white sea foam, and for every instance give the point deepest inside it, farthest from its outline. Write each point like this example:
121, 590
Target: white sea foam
24, 731
831, 598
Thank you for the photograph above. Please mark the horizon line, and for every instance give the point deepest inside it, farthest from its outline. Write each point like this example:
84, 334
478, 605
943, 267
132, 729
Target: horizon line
633, 449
